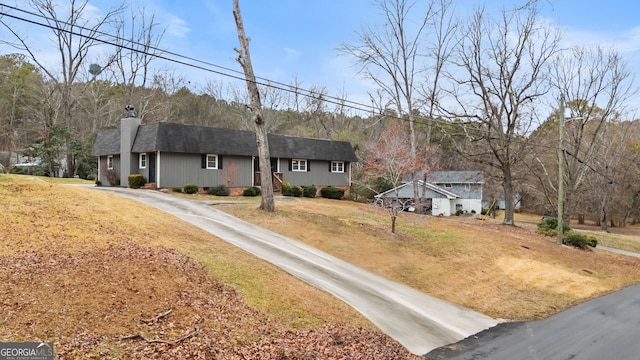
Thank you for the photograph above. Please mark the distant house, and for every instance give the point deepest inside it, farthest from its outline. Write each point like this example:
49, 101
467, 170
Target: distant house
172, 155
444, 193
27, 164
501, 204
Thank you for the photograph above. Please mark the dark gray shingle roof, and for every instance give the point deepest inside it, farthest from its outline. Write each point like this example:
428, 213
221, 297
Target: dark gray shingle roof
179, 138
107, 143
457, 177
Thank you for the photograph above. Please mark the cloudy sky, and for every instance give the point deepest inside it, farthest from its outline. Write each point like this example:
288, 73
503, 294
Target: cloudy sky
300, 37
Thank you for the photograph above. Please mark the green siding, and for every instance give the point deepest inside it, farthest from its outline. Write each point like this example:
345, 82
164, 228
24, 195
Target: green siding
177, 170
103, 168
319, 174
136, 165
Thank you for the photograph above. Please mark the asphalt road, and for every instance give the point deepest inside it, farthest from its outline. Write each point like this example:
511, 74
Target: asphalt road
607, 327
418, 321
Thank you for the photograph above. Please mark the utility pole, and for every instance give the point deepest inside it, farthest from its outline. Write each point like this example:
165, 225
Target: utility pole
560, 226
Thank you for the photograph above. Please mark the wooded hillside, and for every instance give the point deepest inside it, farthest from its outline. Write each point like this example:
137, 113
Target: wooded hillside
437, 84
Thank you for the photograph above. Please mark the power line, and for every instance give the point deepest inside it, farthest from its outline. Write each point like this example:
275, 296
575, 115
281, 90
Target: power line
135, 46
264, 81
229, 72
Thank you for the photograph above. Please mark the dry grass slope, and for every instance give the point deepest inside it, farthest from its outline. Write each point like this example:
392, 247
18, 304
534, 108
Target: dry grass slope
506, 272
106, 278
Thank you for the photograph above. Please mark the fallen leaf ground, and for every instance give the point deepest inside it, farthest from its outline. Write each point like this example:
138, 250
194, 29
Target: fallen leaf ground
104, 278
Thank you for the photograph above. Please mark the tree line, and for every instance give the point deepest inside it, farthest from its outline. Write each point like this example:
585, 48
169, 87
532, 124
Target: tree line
463, 93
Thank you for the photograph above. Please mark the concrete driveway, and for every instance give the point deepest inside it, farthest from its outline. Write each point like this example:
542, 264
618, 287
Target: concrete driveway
418, 321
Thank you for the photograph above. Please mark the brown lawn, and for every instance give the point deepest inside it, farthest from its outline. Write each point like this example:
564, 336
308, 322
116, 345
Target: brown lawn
506, 272
106, 278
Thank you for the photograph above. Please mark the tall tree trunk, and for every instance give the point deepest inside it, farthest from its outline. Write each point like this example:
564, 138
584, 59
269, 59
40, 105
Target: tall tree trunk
507, 184
603, 214
267, 203
393, 224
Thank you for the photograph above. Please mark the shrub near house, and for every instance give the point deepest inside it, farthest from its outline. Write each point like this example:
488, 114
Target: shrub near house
191, 188
136, 181
332, 193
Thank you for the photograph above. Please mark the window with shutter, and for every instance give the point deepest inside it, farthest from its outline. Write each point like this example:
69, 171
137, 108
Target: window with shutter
212, 161
337, 166
299, 165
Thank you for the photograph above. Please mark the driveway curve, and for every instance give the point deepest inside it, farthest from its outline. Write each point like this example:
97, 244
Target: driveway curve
602, 328
418, 321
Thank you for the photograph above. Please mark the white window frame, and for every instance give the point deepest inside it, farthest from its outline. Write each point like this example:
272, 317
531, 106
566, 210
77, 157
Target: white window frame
142, 160
212, 158
337, 166
298, 165
109, 162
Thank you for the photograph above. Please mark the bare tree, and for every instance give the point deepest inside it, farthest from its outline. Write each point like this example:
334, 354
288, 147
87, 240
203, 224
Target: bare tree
606, 180
267, 202
342, 119
598, 82
139, 37
274, 98
316, 112
439, 48
392, 55
502, 68
75, 34
389, 158
219, 107
296, 88
388, 55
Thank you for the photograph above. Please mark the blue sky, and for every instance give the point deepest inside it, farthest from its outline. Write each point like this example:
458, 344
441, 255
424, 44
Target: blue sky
300, 37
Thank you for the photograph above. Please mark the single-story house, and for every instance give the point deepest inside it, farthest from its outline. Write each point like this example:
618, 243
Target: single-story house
173, 155
444, 193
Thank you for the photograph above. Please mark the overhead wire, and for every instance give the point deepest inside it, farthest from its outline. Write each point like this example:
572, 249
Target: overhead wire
146, 49
226, 71
264, 81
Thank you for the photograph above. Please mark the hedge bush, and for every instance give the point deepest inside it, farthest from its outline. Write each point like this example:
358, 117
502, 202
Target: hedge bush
136, 181
296, 191
549, 226
191, 188
286, 189
176, 189
580, 240
252, 191
331, 192
220, 190
309, 191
